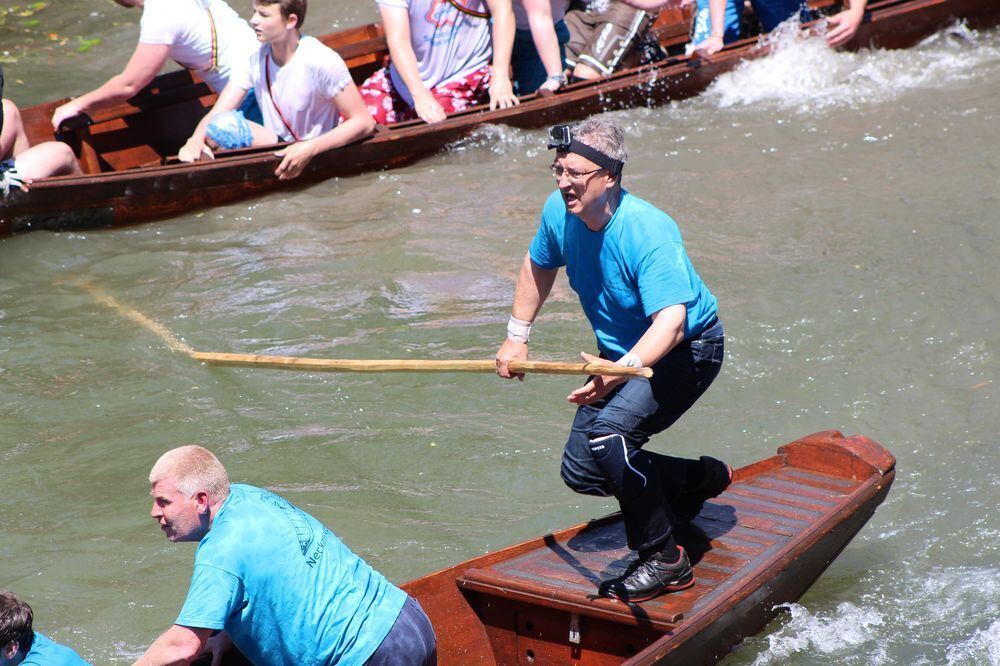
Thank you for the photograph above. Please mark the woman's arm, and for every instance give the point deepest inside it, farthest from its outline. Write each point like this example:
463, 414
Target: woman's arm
396, 23
502, 26
145, 63
543, 33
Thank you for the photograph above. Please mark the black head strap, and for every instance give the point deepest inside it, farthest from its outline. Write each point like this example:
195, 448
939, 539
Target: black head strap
561, 138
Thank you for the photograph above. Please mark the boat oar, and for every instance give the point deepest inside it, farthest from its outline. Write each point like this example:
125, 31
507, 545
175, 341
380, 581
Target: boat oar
412, 365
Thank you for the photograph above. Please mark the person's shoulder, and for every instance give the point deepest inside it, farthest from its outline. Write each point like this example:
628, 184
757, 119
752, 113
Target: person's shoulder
319, 54
643, 214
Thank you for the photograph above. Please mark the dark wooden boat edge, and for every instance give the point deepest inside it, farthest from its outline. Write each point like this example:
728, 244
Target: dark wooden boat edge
710, 632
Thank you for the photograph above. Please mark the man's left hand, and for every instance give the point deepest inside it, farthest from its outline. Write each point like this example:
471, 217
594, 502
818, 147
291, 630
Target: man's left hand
502, 93
596, 388
296, 158
841, 27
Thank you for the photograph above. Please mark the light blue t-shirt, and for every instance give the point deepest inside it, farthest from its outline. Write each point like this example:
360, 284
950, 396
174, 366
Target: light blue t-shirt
631, 269
285, 588
46, 652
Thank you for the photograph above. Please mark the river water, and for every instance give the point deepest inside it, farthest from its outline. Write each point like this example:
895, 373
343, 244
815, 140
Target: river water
841, 206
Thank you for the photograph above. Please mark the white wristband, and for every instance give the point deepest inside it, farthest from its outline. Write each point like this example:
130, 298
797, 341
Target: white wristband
630, 360
518, 330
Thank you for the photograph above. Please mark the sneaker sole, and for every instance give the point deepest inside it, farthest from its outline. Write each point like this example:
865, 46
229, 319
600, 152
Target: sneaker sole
673, 587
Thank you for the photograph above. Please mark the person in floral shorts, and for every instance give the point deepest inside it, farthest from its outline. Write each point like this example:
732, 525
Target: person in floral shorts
440, 59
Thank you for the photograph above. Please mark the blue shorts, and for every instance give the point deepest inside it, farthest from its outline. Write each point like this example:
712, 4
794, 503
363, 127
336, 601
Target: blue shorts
250, 108
529, 72
230, 130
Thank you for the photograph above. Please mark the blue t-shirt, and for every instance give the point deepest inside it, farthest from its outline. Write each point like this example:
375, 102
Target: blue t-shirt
631, 269
46, 652
284, 587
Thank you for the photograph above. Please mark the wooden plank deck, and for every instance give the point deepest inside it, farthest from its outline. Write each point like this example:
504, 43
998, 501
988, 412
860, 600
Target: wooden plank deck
736, 534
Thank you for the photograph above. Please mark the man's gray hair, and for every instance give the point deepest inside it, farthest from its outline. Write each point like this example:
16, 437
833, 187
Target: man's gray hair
603, 135
192, 469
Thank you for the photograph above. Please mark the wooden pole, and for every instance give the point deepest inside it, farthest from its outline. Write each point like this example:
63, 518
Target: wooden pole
412, 365
349, 365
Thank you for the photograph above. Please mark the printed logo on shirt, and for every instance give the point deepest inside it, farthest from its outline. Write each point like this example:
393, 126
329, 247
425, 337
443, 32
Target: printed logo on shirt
298, 520
447, 21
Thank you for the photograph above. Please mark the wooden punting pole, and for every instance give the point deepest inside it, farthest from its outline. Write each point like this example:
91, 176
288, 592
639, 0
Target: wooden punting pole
412, 365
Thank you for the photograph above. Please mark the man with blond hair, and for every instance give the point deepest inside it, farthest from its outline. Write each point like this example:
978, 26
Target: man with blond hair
272, 580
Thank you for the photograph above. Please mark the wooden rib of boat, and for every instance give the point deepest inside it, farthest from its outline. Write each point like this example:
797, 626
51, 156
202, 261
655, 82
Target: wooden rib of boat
761, 543
126, 150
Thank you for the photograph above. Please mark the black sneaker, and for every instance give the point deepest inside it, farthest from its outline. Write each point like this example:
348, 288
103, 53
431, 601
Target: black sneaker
650, 577
718, 476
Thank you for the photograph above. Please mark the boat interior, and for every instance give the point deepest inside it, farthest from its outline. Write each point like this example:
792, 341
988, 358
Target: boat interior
148, 129
537, 602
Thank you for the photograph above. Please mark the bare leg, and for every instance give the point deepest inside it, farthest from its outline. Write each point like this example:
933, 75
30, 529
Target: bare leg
262, 136
52, 158
13, 140
582, 71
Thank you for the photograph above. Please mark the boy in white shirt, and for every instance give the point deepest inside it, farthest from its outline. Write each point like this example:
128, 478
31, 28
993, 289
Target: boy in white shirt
440, 53
306, 95
205, 36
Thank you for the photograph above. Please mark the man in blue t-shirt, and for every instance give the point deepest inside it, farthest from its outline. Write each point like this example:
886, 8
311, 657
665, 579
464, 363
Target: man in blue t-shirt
648, 308
272, 580
21, 645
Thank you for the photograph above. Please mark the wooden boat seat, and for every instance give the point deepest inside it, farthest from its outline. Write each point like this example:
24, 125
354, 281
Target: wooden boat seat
547, 596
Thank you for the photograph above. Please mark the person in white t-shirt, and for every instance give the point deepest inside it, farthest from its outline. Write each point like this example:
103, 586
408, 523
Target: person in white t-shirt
306, 96
205, 36
440, 53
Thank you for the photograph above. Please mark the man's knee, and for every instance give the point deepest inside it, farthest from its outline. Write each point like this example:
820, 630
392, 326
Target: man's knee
622, 476
585, 482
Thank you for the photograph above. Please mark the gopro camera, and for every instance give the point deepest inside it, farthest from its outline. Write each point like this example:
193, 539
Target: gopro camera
560, 138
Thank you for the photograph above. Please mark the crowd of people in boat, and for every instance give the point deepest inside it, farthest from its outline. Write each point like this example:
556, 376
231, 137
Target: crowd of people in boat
277, 85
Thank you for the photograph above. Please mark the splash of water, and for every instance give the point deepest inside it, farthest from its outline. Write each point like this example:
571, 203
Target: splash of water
849, 626
804, 75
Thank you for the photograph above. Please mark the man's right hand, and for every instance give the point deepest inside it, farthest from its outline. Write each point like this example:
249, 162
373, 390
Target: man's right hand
511, 351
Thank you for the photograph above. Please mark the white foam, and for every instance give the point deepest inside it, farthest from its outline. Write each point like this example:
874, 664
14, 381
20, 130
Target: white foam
982, 647
849, 626
805, 75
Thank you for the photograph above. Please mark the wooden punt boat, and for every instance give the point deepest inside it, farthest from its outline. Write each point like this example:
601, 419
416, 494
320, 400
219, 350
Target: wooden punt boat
125, 150
761, 543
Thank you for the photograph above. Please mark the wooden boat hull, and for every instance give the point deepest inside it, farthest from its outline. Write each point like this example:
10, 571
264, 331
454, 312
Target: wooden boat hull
762, 543
123, 187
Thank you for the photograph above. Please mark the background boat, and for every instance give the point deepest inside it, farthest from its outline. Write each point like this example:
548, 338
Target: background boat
126, 150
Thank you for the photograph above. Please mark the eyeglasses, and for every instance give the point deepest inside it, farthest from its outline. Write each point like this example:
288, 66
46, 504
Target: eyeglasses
575, 177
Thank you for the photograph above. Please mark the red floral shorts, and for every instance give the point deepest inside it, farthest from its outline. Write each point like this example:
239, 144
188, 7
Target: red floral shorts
386, 105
